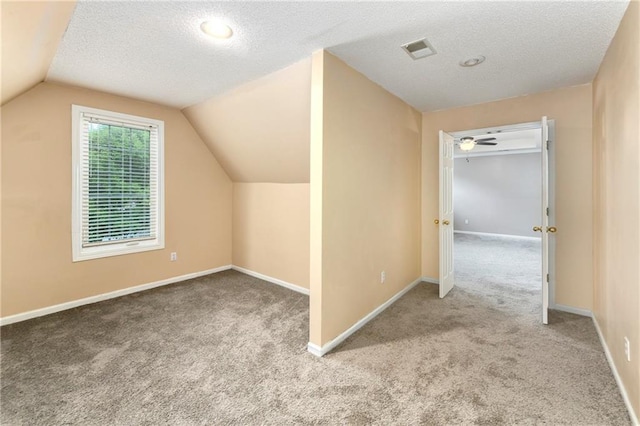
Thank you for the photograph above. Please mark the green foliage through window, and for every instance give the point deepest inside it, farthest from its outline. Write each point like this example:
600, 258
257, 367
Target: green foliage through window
119, 185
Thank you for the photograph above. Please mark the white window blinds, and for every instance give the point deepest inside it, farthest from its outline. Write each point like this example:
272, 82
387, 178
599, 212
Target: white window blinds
119, 178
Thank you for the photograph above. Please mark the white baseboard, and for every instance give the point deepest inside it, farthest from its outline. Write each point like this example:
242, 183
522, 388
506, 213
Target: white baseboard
614, 370
431, 280
105, 296
277, 281
320, 351
315, 349
487, 234
571, 310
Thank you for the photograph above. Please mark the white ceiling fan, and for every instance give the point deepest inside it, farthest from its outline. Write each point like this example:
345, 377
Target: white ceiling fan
467, 143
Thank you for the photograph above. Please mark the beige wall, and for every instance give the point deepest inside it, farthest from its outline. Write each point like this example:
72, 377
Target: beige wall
37, 270
271, 230
31, 31
370, 197
616, 132
498, 194
571, 109
260, 130
260, 134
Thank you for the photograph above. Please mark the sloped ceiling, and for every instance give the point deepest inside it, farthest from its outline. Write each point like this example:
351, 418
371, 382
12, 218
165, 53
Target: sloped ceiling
31, 32
254, 118
259, 132
155, 50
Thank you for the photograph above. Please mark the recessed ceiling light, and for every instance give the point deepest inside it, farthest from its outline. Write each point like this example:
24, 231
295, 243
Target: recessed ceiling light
216, 29
472, 62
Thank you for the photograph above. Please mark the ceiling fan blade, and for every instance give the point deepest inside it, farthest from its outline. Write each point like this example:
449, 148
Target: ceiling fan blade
485, 140
486, 143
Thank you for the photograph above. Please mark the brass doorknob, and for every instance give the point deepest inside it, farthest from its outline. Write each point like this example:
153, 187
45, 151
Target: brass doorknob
552, 229
537, 229
436, 221
445, 222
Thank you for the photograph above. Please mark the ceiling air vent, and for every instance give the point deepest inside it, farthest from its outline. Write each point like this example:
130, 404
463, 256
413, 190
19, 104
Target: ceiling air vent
419, 49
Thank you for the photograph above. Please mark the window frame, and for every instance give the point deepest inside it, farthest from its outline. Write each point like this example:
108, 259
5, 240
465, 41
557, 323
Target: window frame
80, 253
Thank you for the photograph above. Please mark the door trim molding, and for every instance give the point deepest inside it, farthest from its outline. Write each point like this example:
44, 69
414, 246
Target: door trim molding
506, 128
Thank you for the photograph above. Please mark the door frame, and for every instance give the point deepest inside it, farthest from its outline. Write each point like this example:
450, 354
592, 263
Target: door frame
552, 184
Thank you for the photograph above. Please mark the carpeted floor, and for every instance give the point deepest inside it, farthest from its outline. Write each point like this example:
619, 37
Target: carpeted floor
231, 349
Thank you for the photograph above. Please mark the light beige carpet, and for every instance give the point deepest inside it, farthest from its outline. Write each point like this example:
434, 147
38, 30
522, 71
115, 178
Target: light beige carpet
231, 349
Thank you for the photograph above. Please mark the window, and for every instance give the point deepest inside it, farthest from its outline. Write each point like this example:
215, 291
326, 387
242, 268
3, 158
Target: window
117, 183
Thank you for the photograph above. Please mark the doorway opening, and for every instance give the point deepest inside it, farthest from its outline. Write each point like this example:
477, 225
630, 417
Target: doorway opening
501, 188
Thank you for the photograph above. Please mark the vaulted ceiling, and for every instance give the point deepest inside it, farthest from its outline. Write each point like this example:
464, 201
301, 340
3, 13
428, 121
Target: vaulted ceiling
248, 96
156, 51
31, 32
259, 132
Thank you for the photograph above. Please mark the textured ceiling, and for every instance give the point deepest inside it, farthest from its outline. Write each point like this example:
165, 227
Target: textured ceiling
155, 50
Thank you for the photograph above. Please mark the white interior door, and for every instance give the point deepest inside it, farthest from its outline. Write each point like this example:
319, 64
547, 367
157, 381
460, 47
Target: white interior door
446, 213
545, 221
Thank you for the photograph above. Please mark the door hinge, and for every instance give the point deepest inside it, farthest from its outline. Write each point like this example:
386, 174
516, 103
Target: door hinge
547, 211
547, 277
548, 143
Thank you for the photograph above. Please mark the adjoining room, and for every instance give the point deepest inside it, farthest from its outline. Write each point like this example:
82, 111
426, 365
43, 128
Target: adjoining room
497, 190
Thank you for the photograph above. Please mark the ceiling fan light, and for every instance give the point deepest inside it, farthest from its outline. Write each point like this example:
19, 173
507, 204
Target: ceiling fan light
467, 144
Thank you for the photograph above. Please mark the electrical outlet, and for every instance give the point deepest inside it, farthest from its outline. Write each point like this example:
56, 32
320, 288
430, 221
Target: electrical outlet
174, 256
627, 348
383, 277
